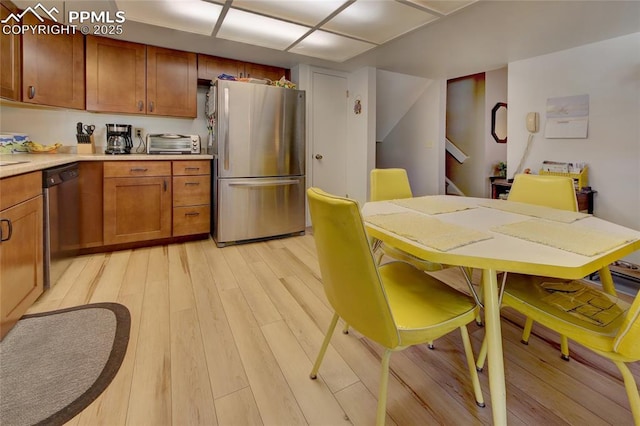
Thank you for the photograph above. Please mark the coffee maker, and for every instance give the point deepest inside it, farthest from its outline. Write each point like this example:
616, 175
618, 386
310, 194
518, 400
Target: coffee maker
119, 139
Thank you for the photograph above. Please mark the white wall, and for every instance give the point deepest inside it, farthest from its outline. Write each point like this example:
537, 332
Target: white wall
361, 128
416, 142
609, 72
53, 125
495, 91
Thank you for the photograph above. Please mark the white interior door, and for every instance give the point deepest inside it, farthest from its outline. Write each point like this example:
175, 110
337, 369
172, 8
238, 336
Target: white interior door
329, 133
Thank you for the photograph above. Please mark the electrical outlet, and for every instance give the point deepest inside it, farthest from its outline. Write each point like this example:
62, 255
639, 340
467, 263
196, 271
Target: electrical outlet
138, 132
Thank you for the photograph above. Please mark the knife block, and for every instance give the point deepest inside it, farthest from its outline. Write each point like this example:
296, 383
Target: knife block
86, 144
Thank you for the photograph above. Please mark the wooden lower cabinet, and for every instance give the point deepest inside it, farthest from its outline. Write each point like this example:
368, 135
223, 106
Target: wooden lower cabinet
136, 208
21, 248
91, 204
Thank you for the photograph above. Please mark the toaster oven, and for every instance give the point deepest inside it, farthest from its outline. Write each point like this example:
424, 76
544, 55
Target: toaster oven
171, 143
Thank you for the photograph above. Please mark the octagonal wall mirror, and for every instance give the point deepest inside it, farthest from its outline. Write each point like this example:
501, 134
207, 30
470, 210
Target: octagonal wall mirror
499, 122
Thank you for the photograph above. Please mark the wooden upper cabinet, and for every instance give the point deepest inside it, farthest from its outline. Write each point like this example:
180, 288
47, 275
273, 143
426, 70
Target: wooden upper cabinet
263, 71
172, 81
210, 67
52, 67
116, 75
9, 60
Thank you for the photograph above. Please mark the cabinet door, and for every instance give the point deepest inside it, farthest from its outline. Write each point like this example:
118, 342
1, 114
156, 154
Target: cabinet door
137, 209
21, 257
9, 60
116, 75
263, 71
210, 67
172, 81
52, 67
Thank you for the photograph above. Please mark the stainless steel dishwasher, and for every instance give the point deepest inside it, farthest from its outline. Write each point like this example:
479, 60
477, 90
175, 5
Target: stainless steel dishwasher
61, 187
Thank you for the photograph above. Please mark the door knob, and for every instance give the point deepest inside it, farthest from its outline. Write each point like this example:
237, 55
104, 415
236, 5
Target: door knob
318, 156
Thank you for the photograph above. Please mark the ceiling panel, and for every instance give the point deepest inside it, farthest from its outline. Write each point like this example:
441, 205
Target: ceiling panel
377, 21
308, 12
443, 6
259, 30
192, 16
333, 47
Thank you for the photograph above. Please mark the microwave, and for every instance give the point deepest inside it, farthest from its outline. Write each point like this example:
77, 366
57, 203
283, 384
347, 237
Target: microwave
171, 143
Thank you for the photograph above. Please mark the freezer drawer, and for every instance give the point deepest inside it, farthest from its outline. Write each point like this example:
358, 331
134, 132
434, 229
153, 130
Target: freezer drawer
253, 208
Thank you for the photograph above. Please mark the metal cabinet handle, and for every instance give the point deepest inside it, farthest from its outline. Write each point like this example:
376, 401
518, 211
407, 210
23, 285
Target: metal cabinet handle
138, 169
164, 185
151, 106
192, 168
319, 157
9, 228
192, 214
266, 183
226, 128
32, 92
140, 105
191, 183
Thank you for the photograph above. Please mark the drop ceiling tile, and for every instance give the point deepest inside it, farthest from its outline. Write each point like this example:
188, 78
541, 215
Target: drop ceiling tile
443, 6
308, 12
194, 16
377, 21
333, 47
259, 30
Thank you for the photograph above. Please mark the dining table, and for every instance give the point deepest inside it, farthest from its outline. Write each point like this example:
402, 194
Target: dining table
498, 236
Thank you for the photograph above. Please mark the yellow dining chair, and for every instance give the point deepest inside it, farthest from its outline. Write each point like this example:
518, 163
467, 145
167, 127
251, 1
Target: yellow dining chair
549, 191
586, 315
393, 184
556, 192
395, 305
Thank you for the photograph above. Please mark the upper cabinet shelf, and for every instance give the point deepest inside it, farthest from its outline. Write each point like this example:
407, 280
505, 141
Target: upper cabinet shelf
107, 75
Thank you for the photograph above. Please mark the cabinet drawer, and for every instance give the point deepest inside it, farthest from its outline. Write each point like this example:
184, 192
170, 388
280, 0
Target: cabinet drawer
16, 189
191, 190
136, 168
191, 220
182, 168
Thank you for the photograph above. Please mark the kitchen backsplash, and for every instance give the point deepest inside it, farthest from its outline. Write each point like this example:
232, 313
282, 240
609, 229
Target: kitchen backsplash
50, 125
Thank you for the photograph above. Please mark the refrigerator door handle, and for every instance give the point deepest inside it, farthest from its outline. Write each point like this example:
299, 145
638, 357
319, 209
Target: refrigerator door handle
226, 128
278, 182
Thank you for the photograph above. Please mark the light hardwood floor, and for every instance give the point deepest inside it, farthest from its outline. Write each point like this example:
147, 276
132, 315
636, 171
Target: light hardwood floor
228, 337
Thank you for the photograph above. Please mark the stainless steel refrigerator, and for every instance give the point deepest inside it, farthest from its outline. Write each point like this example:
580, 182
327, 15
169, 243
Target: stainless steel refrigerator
259, 161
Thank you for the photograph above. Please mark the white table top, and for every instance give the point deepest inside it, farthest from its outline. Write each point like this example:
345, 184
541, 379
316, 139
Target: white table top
503, 252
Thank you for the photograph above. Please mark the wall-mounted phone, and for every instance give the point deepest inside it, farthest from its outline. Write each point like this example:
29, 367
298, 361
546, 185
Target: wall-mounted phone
532, 122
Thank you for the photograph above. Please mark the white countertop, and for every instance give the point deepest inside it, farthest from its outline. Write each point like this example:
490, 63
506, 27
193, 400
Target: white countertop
25, 163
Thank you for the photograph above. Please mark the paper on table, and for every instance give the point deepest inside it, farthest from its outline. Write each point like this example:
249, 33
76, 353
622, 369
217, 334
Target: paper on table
586, 242
427, 230
534, 210
432, 204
